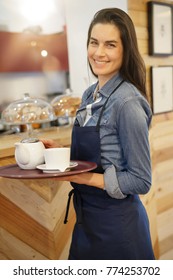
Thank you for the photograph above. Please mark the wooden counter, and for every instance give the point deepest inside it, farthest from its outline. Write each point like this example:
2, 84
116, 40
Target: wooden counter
32, 211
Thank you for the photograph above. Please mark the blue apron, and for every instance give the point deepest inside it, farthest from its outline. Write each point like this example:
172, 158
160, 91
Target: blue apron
106, 228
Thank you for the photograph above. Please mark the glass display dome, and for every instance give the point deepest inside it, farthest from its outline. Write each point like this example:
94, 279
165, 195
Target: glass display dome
27, 111
66, 105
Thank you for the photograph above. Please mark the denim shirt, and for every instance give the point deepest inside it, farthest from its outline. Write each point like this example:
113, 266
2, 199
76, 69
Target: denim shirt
124, 127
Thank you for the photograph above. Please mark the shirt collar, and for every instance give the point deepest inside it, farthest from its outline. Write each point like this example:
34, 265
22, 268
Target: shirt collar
106, 90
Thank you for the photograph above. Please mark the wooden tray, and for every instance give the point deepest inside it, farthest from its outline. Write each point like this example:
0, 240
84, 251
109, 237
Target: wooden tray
15, 172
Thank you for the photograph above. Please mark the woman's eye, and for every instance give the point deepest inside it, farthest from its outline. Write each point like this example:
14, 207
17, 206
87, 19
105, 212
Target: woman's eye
110, 45
94, 43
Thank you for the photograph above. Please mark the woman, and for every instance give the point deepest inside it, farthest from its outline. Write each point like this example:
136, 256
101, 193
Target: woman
111, 129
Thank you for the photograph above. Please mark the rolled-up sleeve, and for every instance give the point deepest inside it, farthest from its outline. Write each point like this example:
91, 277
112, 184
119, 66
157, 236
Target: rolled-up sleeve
111, 183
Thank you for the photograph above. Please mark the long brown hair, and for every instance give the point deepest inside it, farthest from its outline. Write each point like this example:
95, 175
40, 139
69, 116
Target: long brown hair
133, 67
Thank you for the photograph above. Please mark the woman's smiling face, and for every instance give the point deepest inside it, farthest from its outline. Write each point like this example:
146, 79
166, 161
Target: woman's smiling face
105, 51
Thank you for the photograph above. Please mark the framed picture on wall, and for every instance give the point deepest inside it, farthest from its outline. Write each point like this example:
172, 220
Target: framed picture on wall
160, 28
162, 89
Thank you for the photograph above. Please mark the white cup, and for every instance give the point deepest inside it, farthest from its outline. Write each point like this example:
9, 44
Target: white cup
57, 158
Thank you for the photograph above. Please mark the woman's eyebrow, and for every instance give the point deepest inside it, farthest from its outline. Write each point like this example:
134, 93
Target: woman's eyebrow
91, 38
111, 41
108, 41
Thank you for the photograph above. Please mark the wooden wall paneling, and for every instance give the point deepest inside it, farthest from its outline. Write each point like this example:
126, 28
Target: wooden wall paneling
139, 5
12, 248
139, 17
45, 211
164, 186
65, 252
165, 230
161, 135
142, 35
157, 61
25, 228
143, 46
162, 161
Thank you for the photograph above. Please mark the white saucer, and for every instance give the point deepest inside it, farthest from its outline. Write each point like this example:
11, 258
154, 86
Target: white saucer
47, 170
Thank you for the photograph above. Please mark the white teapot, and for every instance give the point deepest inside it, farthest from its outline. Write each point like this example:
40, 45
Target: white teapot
29, 153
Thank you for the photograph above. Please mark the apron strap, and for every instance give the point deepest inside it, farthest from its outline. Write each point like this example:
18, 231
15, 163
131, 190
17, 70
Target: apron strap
68, 205
104, 105
78, 203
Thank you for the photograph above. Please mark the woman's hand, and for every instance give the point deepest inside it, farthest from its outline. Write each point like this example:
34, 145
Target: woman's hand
49, 143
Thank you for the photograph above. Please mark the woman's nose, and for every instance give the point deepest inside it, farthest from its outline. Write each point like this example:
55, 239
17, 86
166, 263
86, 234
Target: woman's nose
100, 50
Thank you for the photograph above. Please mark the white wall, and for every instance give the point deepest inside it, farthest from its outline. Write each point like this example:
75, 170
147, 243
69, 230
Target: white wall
79, 14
